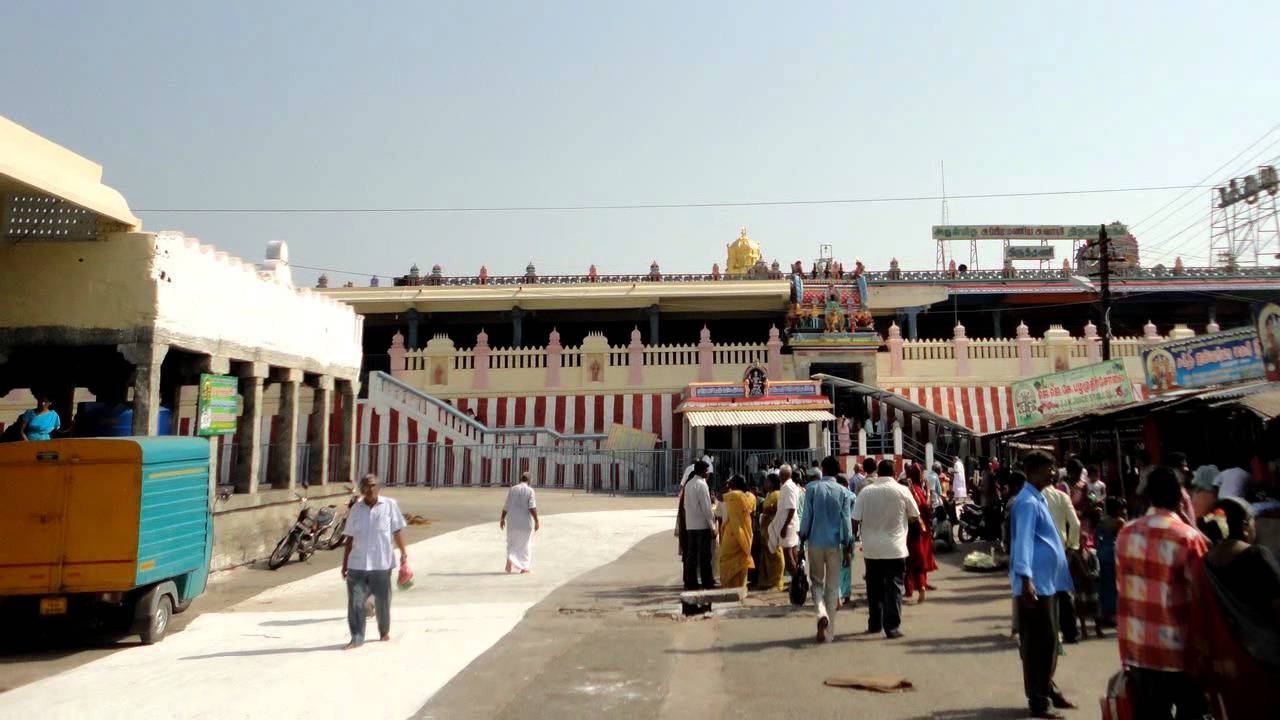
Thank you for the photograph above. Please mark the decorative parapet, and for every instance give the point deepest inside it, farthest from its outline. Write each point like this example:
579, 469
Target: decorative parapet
895, 350
961, 342
774, 350
554, 359
481, 352
635, 357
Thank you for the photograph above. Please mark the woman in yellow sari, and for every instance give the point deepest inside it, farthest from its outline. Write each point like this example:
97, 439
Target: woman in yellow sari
735, 534
770, 576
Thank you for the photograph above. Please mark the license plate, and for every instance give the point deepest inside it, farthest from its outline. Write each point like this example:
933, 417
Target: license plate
53, 606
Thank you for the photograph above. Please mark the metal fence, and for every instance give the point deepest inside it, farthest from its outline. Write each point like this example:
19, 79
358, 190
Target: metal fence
642, 472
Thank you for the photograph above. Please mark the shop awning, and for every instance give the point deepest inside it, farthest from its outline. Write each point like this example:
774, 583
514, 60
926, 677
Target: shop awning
716, 418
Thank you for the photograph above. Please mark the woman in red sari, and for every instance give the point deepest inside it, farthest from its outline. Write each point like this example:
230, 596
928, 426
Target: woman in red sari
920, 560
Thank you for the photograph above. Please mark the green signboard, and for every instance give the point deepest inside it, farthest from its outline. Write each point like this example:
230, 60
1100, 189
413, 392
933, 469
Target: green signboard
1070, 392
1025, 232
218, 405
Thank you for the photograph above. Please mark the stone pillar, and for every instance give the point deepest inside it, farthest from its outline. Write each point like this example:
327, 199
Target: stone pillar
997, 331
652, 312
249, 427
1024, 342
318, 431
895, 350
345, 460
1094, 344
913, 315
414, 319
928, 456
1058, 347
554, 354
480, 380
775, 354
897, 438
282, 464
1181, 332
706, 352
397, 354
146, 359
961, 342
517, 327
213, 365
635, 358
862, 442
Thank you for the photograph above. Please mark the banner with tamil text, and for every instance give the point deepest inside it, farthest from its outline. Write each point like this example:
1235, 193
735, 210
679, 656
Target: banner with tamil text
1214, 359
1072, 391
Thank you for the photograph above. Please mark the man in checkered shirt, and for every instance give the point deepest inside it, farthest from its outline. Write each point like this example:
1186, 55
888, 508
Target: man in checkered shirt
1154, 558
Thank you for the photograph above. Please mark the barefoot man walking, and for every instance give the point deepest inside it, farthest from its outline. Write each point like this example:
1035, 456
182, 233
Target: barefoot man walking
368, 558
520, 520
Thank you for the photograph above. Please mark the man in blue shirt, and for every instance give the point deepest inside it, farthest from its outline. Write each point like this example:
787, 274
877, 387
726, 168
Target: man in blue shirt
1037, 572
825, 528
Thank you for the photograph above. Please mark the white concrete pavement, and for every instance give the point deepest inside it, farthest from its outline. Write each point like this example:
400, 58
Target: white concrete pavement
277, 655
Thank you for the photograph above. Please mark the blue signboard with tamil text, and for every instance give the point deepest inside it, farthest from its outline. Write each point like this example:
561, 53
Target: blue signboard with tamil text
1214, 359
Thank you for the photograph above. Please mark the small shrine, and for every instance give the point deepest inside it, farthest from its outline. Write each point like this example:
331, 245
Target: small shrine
744, 255
829, 307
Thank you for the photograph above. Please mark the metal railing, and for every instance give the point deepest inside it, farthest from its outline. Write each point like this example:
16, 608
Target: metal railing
439, 465
876, 276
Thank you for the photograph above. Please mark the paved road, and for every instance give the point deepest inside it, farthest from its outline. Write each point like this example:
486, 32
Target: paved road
590, 633
601, 644
27, 660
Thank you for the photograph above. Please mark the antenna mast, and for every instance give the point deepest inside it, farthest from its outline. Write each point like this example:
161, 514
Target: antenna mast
941, 261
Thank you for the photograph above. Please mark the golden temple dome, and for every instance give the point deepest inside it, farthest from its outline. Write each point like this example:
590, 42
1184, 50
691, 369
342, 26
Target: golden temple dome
744, 253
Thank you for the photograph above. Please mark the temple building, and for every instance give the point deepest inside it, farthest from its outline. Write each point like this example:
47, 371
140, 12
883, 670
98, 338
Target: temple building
745, 363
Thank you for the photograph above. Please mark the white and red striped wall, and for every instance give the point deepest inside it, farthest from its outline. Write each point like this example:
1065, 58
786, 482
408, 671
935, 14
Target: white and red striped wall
565, 414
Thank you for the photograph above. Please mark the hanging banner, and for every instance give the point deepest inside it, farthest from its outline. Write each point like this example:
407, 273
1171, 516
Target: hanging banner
1215, 359
1070, 392
1267, 316
217, 405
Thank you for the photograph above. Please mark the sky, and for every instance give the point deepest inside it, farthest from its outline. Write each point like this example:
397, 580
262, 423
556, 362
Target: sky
324, 105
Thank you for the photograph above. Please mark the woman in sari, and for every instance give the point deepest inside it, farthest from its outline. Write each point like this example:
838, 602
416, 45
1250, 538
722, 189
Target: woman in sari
920, 561
735, 534
772, 561
1233, 643
40, 422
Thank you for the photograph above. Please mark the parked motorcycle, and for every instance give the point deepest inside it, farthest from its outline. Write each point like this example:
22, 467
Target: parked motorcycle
944, 538
979, 522
305, 534
333, 537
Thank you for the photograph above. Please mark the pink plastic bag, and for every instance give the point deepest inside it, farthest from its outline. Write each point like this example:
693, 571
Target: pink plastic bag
404, 578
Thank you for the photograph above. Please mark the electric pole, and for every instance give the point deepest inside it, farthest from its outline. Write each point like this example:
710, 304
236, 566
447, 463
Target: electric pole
1104, 270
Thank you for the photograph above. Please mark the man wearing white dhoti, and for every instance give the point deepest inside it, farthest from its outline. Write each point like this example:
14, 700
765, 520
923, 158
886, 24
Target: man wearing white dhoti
520, 520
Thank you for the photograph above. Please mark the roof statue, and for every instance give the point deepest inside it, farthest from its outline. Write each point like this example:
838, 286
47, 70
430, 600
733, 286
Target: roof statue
744, 253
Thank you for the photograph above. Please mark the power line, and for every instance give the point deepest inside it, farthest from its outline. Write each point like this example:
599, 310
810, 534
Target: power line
666, 206
1206, 178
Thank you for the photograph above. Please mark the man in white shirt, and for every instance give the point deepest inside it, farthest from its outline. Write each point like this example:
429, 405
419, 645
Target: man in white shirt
1232, 482
368, 558
699, 530
520, 520
959, 490
786, 526
881, 514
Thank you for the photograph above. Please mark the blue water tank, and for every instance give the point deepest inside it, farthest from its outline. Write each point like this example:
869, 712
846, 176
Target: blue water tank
95, 419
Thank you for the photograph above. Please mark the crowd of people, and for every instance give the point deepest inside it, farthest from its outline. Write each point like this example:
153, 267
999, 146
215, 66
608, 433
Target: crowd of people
803, 524
1164, 555
1173, 568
